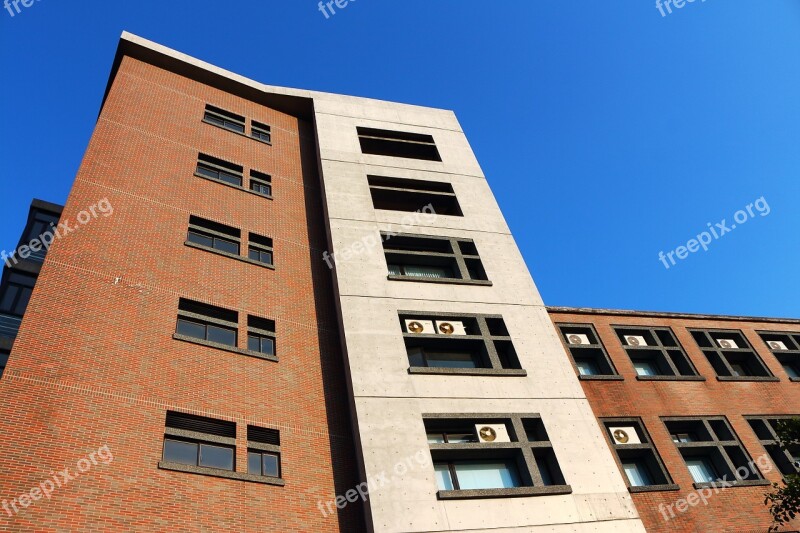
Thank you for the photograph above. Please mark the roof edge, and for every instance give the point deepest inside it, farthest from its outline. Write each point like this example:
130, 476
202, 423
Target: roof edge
664, 314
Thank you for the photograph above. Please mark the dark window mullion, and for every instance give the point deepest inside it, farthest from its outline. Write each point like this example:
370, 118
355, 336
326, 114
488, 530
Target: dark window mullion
491, 349
459, 257
453, 476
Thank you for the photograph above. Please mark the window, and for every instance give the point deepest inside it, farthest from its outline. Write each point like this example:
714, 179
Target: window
198, 441
203, 322
766, 429
261, 132
513, 456
641, 463
263, 452
208, 234
433, 259
401, 194
40, 222
216, 169
588, 353
261, 183
732, 356
3, 360
655, 353
261, 336
16, 293
223, 119
398, 144
786, 348
260, 249
459, 344
713, 452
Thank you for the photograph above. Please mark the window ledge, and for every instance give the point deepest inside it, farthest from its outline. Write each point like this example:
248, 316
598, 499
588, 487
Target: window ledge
654, 488
796, 380
732, 484
238, 187
452, 281
670, 378
216, 472
236, 132
225, 347
602, 377
747, 378
228, 254
503, 493
423, 370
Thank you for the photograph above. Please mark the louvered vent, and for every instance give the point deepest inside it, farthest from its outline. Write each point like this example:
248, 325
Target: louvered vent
201, 424
263, 435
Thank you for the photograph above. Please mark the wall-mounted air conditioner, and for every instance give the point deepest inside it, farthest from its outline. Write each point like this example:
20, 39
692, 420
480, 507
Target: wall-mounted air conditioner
635, 340
450, 327
420, 326
489, 433
777, 346
578, 338
624, 435
728, 344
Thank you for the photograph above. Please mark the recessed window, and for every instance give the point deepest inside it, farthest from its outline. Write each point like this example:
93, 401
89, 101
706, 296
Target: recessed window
731, 355
260, 249
261, 183
4, 354
16, 292
655, 353
641, 463
766, 429
514, 456
208, 323
713, 452
219, 170
263, 452
458, 344
261, 132
224, 119
199, 441
261, 335
588, 353
213, 235
786, 348
39, 223
398, 144
433, 259
408, 195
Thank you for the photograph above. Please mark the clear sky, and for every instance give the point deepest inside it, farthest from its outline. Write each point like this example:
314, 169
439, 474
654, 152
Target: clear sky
608, 131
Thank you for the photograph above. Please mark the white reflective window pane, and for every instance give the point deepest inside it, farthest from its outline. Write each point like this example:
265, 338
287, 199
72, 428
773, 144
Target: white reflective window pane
443, 479
645, 368
638, 476
486, 475
701, 470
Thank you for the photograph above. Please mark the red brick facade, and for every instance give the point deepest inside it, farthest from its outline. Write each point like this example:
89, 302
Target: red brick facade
95, 362
739, 509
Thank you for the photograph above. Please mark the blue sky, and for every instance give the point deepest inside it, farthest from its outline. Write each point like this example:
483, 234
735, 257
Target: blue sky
607, 131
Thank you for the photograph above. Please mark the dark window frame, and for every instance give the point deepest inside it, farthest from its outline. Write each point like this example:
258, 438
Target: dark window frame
262, 328
412, 195
207, 315
789, 357
646, 451
457, 260
261, 132
784, 461
714, 353
264, 441
530, 454
210, 229
224, 119
390, 143
215, 168
4, 358
595, 352
487, 335
261, 245
715, 449
658, 353
260, 179
24, 292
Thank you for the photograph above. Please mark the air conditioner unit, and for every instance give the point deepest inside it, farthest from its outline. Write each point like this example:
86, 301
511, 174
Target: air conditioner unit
578, 338
488, 433
635, 340
624, 435
420, 326
777, 345
727, 344
450, 327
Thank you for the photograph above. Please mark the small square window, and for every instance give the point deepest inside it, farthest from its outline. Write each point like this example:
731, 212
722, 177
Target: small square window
261, 132
588, 353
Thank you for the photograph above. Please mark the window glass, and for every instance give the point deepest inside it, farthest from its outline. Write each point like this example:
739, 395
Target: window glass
216, 457
191, 329
435, 438
645, 368
221, 335
181, 452
443, 478
226, 246
487, 475
271, 465
701, 470
254, 463
207, 172
791, 371
259, 344
451, 360
262, 188
421, 271
637, 473
230, 178
587, 367
198, 238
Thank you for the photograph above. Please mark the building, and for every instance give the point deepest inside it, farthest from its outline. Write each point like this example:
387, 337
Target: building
689, 405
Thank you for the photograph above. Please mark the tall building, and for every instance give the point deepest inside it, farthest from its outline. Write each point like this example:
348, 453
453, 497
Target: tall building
690, 405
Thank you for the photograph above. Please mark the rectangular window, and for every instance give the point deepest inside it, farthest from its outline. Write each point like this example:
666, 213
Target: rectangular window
712, 451
656, 353
588, 353
3, 360
641, 463
766, 429
223, 119
459, 344
731, 355
219, 170
40, 222
261, 132
398, 144
208, 323
261, 183
192, 440
513, 456
408, 195
261, 336
260, 249
214, 235
16, 293
433, 259
786, 348
263, 452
